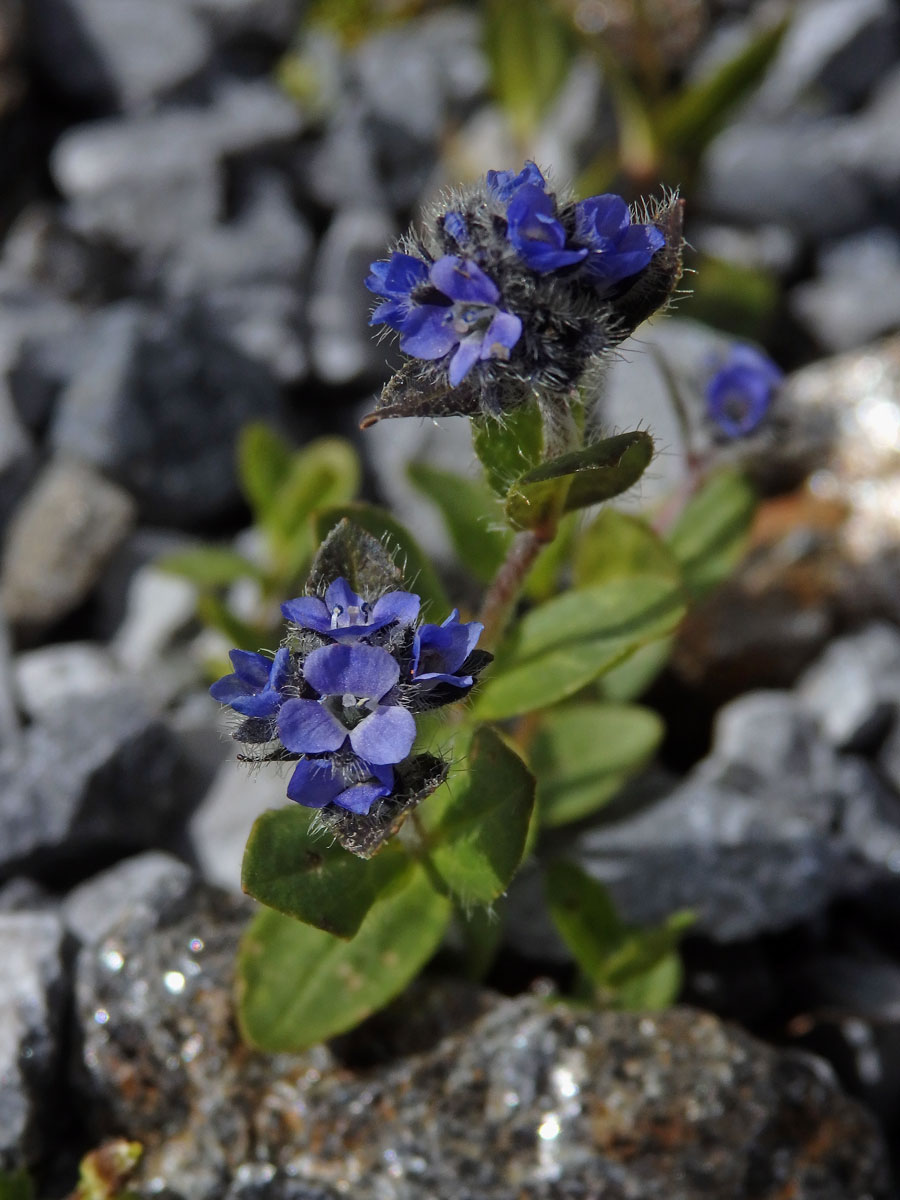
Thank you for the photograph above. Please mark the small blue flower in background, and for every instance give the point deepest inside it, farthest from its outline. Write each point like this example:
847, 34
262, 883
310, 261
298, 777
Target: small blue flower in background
617, 248
533, 229
740, 392
255, 688
344, 616
440, 650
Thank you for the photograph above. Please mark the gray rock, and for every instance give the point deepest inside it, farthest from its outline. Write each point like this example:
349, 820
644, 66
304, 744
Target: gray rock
341, 168
856, 295
18, 459
760, 836
222, 822
64, 671
89, 779
21, 894
159, 405
9, 715
121, 52
834, 49
870, 142
794, 174
236, 20
853, 688
268, 242
59, 540
531, 1099
159, 606
32, 993
146, 882
151, 183
267, 323
343, 346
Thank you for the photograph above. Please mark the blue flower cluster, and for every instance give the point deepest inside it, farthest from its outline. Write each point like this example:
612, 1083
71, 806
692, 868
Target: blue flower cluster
739, 393
340, 695
510, 275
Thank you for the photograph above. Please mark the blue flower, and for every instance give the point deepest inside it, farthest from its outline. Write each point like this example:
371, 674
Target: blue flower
739, 394
395, 278
503, 185
320, 781
469, 327
255, 687
345, 616
617, 248
352, 682
440, 650
535, 232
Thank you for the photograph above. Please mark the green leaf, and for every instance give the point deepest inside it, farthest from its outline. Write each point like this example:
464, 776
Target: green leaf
209, 566
16, 1185
418, 574
481, 930
509, 446
480, 839
350, 552
240, 634
629, 679
569, 641
470, 514
582, 754
264, 460
739, 298
578, 479
530, 49
299, 985
306, 876
623, 962
687, 123
551, 565
710, 536
617, 545
325, 472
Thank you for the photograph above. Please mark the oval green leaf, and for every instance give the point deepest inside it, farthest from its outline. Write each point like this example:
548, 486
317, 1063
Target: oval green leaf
711, 534
578, 479
480, 839
305, 875
508, 446
582, 754
470, 513
569, 641
298, 986
617, 545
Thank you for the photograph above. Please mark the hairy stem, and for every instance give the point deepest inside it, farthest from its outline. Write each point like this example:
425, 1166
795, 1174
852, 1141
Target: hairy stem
501, 596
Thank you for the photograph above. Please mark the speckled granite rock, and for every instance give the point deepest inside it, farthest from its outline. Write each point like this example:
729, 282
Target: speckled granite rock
531, 1102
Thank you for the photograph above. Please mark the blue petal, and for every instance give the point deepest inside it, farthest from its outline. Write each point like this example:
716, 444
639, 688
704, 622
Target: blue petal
265, 704
604, 216
427, 333
503, 184
341, 595
502, 334
535, 232
464, 359
738, 398
252, 668
431, 678
357, 670
281, 669
361, 797
462, 280
748, 356
308, 612
386, 736
394, 313
395, 606
398, 276
306, 727
456, 227
314, 783
228, 689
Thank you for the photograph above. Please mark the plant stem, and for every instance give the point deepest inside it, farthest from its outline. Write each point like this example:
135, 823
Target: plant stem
507, 583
